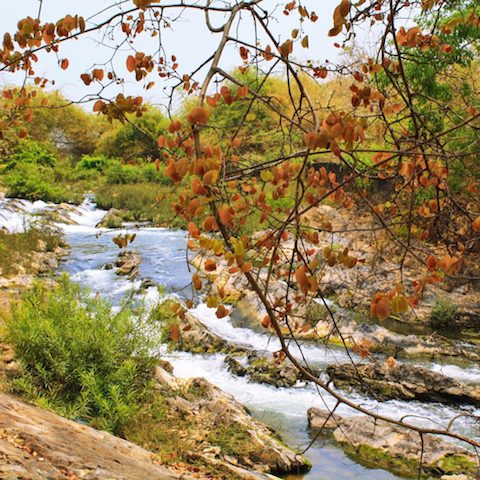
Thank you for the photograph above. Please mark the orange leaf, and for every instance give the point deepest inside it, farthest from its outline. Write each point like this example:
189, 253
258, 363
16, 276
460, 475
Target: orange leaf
98, 106
431, 263
131, 63
266, 321
302, 279
210, 265
193, 230
197, 282
98, 73
174, 333
226, 214
476, 225
383, 308
64, 64
222, 311
246, 267
198, 116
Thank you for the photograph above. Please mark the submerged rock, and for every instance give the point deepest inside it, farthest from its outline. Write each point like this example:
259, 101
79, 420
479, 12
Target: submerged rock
380, 444
402, 381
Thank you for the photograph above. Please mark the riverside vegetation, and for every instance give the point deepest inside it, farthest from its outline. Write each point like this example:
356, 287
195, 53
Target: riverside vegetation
74, 356
327, 218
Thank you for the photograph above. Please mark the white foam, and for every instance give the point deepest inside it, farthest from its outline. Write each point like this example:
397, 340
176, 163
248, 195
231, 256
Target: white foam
319, 355
294, 402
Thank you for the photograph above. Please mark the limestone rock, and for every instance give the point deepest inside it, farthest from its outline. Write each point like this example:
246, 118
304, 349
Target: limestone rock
263, 369
382, 444
215, 409
36, 444
403, 381
128, 263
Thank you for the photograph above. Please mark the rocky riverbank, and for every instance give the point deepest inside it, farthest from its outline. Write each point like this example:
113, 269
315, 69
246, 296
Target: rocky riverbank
379, 444
449, 307
394, 380
216, 436
215, 421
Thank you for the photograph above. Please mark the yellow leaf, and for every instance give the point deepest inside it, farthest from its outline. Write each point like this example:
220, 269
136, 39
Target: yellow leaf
266, 175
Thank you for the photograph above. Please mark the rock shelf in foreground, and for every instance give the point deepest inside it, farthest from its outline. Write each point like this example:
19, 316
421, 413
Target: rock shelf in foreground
381, 444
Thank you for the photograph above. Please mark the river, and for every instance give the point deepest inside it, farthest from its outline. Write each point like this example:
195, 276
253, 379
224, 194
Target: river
163, 253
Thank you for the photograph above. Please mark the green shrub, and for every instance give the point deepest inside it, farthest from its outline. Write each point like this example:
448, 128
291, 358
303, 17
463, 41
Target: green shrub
33, 172
119, 174
29, 151
27, 180
79, 358
443, 313
98, 162
139, 203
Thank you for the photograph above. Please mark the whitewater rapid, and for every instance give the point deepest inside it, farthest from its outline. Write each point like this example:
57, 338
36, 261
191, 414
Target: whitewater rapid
164, 262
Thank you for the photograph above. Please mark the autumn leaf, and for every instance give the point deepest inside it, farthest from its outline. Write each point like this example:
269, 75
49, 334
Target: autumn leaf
210, 265
431, 263
222, 311
174, 333
286, 48
197, 282
98, 106
98, 74
131, 63
198, 116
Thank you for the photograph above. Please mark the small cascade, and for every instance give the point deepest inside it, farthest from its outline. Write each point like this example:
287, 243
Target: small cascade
164, 263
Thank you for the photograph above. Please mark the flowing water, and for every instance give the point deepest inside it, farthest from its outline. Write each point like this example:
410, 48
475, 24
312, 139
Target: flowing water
163, 254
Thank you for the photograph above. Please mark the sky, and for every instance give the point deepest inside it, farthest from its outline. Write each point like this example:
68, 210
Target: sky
188, 38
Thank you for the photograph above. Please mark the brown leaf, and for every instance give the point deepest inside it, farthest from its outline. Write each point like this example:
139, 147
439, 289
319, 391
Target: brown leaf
131, 63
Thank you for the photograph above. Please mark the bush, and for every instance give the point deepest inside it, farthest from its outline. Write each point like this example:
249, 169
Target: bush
29, 181
119, 174
443, 313
33, 172
79, 358
139, 203
33, 152
99, 163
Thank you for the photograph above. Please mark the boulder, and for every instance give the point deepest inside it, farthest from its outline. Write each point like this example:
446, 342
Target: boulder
383, 341
210, 410
112, 219
381, 444
195, 337
128, 263
403, 381
36, 444
262, 369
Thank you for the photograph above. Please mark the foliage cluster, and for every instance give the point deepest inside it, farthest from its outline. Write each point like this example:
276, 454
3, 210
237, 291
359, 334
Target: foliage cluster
79, 357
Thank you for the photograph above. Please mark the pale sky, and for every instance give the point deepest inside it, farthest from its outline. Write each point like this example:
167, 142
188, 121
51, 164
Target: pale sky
188, 39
